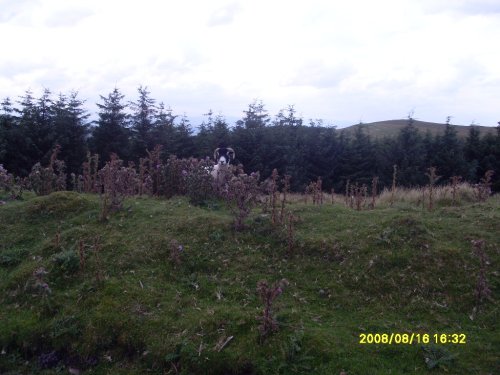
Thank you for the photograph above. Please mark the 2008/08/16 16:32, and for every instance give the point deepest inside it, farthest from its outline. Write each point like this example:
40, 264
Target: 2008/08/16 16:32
412, 338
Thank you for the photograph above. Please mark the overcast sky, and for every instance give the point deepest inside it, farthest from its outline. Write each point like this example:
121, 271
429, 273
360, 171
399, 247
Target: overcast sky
342, 61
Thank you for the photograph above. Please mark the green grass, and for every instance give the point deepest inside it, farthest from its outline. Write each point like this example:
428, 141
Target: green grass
399, 269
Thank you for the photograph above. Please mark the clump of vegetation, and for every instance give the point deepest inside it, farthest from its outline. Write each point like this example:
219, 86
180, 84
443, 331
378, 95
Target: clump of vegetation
11, 185
483, 188
66, 262
268, 294
438, 357
374, 191
433, 178
242, 193
286, 190
40, 284
156, 171
176, 171
6, 179
115, 185
200, 185
89, 183
394, 181
455, 185
291, 220
273, 192
358, 196
482, 291
44, 181
315, 189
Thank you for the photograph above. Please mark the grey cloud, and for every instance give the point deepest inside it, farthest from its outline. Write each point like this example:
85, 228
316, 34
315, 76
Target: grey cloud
481, 7
11, 69
224, 15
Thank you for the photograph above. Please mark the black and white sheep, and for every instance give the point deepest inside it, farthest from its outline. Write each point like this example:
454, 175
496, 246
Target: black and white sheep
223, 157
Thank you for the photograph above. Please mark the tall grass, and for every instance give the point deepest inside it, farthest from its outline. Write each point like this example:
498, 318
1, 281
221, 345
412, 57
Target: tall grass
441, 195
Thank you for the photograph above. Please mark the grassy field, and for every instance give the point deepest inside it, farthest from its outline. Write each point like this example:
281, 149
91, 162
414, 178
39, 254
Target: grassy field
84, 297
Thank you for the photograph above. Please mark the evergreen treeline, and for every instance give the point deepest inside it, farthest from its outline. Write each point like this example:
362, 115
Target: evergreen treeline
30, 129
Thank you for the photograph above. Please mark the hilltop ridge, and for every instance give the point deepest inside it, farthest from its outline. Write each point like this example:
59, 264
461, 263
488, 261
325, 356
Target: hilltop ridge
391, 128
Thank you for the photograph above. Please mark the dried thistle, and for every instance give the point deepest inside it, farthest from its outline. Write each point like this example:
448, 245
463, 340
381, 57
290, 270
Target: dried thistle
44, 181
374, 191
292, 219
455, 181
394, 180
483, 188
482, 290
241, 197
156, 169
286, 188
433, 177
274, 196
268, 295
347, 190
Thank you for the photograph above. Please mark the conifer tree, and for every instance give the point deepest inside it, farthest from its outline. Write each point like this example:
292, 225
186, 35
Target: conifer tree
142, 123
111, 135
24, 136
449, 157
184, 143
409, 156
6, 129
71, 128
163, 132
473, 152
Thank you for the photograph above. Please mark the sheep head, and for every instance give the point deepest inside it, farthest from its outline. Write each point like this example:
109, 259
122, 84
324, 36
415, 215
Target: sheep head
224, 155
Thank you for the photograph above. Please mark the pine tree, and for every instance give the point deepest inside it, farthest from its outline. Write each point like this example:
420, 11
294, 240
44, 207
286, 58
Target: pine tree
111, 135
214, 132
24, 137
184, 142
449, 158
289, 119
142, 123
6, 128
163, 132
409, 156
358, 159
491, 158
71, 128
473, 152
255, 117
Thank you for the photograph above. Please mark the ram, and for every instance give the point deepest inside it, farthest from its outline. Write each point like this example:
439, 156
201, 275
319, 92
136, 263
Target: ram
221, 171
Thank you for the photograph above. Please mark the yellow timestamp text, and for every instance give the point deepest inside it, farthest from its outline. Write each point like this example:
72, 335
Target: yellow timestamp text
412, 338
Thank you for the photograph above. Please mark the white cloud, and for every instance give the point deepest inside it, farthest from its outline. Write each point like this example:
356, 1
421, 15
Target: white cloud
224, 15
332, 59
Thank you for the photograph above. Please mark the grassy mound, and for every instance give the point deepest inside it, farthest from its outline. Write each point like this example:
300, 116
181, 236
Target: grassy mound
167, 287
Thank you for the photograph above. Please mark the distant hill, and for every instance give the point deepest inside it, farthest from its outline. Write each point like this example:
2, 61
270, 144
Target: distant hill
391, 128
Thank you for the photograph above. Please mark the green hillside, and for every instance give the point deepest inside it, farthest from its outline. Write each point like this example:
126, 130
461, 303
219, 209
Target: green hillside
391, 128
84, 297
